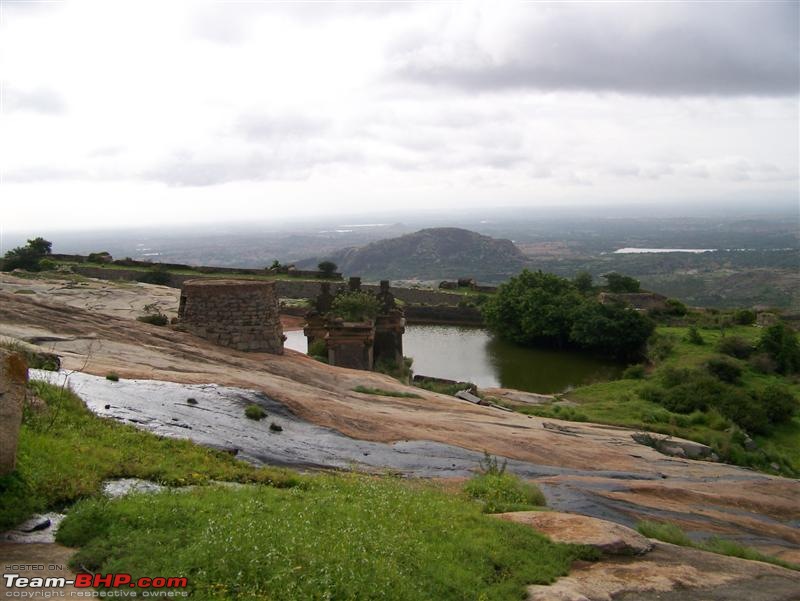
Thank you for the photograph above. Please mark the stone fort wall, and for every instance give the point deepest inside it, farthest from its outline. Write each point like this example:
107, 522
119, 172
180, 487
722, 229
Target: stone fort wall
239, 314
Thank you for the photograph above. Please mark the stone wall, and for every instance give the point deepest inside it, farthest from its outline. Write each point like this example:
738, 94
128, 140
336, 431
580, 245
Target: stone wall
443, 314
285, 288
240, 314
13, 386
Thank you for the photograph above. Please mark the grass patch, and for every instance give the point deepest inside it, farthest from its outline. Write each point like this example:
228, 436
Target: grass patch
670, 533
383, 392
65, 453
341, 537
499, 491
621, 402
255, 412
24, 291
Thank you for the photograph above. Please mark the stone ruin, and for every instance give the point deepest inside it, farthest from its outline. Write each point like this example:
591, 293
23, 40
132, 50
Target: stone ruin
240, 314
13, 386
357, 345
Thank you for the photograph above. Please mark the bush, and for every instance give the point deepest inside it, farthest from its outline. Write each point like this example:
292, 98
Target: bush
694, 337
780, 343
660, 346
724, 368
158, 319
112, 376
156, 275
778, 402
500, 491
255, 412
634, 372
735, 346
318, 349
763, 364
355, 306
47, 265
611, 328
744, 317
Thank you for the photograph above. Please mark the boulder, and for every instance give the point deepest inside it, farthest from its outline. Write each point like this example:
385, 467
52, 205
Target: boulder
608, 537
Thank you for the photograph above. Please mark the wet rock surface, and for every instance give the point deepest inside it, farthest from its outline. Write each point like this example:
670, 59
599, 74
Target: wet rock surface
40, 528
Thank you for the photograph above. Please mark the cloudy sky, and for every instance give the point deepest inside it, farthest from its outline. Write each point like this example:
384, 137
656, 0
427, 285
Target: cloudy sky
121, 113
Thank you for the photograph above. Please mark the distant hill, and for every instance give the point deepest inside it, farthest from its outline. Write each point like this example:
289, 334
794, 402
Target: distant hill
431, 254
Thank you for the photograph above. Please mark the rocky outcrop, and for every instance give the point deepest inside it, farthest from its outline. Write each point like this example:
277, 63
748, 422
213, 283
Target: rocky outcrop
605, 536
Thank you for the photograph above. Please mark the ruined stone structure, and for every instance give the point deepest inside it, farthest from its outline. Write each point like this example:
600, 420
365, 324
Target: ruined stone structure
239, 314
358, 345
13, 384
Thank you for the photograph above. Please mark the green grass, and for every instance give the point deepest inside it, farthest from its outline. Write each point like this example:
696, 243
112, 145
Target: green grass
255, 412
65, 453
341, 537
499, 492
670, 533
383, 392
618, 403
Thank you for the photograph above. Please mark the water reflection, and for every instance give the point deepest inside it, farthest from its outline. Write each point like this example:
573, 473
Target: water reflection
472, 354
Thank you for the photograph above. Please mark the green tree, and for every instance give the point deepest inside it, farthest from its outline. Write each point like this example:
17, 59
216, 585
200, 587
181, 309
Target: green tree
621, 283
27, 257
611, 328
327, 268
534, 308
583, 282
780, 342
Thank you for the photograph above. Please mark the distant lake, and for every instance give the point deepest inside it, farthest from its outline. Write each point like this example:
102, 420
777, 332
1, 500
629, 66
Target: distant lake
474, 355
632, 251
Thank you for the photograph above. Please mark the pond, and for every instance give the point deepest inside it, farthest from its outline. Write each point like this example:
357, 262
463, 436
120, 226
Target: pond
474, 355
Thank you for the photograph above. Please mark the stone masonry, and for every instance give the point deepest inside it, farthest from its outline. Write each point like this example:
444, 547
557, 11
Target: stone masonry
13, 384
239, 314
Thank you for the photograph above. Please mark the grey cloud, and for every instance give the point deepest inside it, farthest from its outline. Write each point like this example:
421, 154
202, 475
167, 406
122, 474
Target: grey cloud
717, 49
258, 126
184, 169
39, 100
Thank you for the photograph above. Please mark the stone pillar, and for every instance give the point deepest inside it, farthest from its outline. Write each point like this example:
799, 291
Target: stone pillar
314, 329
325, 299
13, 386
389, 330
350, 344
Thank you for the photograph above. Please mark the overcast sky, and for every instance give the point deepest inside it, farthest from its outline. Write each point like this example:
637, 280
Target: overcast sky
120, 113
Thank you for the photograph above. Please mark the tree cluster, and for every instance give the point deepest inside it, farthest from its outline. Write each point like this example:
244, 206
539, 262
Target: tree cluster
27, 257
542, 309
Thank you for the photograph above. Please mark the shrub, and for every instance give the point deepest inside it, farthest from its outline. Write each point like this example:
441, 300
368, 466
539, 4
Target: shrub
660, 346
255, 412
156, 275
735, 346
694, 337
27, 257
611, 328
500, 491
724, 368
157, 319
743, 409
744, 317
634, 372
778, 402
763, 363
355, 306
112, 376
780, 342
47, 265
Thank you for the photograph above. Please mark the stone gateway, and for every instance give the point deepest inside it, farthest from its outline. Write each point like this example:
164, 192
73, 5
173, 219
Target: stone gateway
239, 314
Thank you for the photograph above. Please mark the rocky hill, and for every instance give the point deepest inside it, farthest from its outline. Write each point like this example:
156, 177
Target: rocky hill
430, 254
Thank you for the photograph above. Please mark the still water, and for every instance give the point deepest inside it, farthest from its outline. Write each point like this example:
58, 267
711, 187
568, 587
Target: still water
474, 355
